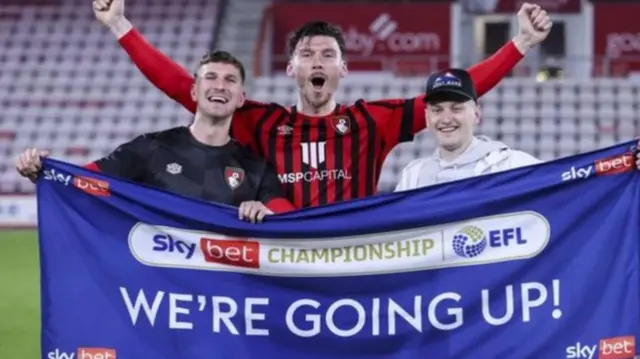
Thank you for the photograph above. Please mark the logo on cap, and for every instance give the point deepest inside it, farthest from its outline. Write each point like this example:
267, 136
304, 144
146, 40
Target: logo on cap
448, 79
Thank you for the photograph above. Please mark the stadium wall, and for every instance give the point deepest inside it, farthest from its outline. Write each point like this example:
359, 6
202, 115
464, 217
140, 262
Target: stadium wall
18, 212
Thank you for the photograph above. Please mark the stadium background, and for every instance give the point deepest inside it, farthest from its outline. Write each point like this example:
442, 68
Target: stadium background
66, 86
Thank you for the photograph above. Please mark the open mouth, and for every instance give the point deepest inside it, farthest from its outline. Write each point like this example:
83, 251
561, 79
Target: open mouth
317, 81
217, 99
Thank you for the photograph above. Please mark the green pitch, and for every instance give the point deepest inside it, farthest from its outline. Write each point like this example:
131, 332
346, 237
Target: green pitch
19, 295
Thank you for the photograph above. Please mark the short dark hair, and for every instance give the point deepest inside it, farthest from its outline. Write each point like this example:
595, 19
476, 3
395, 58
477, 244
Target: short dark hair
223, 57
317, 28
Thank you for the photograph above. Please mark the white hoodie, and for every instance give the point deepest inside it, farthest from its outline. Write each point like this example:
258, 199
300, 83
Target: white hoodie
483, 156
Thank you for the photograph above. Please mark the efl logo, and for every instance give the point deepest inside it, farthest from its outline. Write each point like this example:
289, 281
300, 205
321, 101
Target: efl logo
92, 186
615, 165
617, 348
235, 253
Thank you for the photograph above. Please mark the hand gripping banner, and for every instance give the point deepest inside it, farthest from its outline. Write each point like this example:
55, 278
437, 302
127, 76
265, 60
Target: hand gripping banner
538, 262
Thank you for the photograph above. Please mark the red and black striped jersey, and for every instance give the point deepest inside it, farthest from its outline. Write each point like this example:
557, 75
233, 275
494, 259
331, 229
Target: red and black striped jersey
319, 160
327, 159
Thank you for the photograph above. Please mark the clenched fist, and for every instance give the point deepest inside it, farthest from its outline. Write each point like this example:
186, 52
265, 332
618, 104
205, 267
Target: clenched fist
28, 163
534, 25
111, 14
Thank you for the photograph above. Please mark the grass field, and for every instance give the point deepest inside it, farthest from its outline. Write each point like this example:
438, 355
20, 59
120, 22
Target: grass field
19, 295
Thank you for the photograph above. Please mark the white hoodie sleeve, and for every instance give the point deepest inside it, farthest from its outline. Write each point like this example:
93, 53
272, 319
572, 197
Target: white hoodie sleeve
521, 159
409, 177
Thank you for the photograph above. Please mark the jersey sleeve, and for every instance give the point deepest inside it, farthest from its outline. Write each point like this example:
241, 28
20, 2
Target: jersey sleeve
488, 73
244, 128
397, 119
165, 74
400, 119
127, 161
270, 192
240, 131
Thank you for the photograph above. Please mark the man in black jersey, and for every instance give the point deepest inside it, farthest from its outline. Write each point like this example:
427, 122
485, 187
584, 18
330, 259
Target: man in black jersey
201, 160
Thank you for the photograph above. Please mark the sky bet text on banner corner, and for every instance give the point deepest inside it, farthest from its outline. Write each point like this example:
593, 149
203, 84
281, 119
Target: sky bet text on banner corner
538, 262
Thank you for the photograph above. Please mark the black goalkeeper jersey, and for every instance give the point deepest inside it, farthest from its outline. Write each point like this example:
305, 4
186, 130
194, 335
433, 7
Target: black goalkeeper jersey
173, 160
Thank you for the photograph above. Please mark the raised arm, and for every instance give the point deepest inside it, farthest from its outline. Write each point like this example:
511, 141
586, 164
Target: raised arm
534, 26
158, 68
399, 120
165, 74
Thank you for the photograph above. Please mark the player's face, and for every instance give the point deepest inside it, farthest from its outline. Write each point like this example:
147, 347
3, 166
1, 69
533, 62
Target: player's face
452, 122
218, 90
317, 66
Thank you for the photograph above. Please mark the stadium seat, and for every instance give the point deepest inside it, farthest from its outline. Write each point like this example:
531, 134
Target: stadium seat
65, 80
67, 86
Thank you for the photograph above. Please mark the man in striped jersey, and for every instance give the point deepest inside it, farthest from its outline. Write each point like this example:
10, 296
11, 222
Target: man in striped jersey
324, 152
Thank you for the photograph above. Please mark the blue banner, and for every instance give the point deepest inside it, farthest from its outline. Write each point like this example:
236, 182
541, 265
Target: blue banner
539, 262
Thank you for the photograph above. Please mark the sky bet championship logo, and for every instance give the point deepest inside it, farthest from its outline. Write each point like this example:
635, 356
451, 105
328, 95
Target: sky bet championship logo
493, 239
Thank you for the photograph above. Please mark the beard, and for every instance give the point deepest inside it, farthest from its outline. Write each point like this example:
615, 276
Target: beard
317, 99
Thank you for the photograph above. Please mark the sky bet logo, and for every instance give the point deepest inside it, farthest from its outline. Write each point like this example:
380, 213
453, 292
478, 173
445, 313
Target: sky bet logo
237, 253
92, 186
229, 252
609, 348
84, 353
166, 243
608, 166
88, 185
617, 348
57, 176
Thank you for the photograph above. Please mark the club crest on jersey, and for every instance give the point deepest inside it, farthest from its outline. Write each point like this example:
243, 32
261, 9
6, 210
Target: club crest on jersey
284, 130
234, 177
342, 124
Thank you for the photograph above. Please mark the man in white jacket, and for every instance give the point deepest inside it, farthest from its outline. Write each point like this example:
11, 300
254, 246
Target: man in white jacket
452, 114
